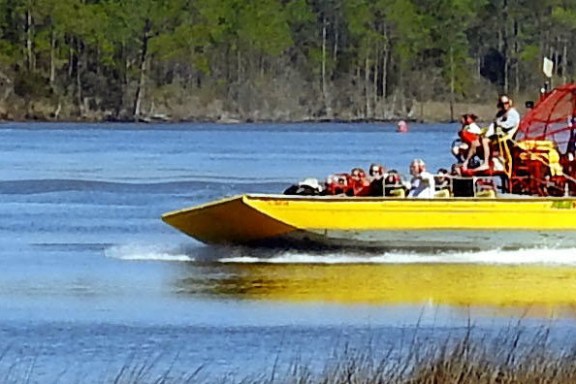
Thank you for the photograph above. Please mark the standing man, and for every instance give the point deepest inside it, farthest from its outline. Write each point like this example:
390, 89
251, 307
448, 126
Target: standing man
422, 184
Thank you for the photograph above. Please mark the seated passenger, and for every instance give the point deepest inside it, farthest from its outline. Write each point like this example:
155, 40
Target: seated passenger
339, 184
443, 184
459, 146
504, 127
393, 186
422, 183
459, 150
471, 135
306, 187
360, 183
376, 178
442, 179
469, 131
376, 171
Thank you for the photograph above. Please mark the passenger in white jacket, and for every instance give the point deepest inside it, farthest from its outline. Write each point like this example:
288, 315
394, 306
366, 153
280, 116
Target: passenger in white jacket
422, 184
504, 127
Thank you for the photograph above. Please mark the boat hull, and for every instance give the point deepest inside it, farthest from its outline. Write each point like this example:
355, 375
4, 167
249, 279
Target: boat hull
381, 223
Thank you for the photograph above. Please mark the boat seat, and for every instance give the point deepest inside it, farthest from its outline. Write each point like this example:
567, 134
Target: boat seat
487, 194
536, 162
543, 151
442, 194
397, 193
476, 186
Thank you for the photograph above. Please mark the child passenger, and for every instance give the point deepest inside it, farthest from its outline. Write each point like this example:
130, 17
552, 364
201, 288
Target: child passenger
470, 131
471, 135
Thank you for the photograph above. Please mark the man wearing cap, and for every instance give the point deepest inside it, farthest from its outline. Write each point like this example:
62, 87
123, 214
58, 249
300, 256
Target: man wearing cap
504, 127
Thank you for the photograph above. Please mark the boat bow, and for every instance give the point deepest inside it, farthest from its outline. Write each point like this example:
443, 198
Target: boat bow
232, 220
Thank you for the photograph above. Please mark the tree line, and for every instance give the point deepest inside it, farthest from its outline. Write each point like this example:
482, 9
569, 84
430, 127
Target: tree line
274, 59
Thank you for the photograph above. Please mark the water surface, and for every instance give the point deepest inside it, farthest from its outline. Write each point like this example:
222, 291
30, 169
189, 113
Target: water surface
92, 280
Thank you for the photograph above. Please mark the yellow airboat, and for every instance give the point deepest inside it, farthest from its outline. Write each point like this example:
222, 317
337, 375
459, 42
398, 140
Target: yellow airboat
532, 205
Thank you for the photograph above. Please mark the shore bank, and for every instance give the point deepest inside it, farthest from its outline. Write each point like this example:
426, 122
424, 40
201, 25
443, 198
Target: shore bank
428, 112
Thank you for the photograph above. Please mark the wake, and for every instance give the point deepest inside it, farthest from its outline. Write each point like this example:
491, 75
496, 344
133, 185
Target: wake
145, 253
239, 255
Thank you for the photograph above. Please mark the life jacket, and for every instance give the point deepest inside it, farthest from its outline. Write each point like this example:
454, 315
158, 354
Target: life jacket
360, 183
339, 183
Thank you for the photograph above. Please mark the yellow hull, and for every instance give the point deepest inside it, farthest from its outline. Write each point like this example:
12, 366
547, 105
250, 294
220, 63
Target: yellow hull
381, 222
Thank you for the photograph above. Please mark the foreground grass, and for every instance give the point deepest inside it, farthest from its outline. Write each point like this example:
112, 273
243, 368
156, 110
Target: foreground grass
512, 356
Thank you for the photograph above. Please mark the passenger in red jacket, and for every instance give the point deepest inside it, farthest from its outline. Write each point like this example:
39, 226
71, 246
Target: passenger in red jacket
360, 183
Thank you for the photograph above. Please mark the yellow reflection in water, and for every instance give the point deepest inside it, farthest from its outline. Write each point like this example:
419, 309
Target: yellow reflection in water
448, 284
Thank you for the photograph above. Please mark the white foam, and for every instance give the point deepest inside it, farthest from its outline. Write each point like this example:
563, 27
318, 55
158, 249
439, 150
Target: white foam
142, 252
519, 257
250, 256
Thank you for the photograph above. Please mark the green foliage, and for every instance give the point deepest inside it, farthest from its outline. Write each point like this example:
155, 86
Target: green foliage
95, 48
448, 22
10, 54
530, 53
298, 12
565, 17
410, 32
364, 25
263, 26
30, 85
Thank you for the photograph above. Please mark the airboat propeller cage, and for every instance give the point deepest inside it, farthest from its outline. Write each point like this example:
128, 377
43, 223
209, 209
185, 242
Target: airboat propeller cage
553, 118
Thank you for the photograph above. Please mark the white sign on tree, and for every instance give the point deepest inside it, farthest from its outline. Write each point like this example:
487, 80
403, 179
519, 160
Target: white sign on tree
548, 67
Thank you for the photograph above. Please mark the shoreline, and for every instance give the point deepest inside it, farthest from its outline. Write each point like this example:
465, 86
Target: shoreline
228, 121
421, 113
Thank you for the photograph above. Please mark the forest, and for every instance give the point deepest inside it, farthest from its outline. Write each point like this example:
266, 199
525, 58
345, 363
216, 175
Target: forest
275, 60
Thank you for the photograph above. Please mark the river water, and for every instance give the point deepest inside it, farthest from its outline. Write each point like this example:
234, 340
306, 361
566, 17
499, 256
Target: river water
94, 286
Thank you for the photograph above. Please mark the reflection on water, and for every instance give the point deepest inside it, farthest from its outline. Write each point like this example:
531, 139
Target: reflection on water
506, 289
534, 282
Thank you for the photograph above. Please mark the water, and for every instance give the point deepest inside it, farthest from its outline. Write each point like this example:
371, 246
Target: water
92, 281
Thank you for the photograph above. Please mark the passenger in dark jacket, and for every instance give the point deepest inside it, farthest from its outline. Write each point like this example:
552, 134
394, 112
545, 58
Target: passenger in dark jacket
307, 187
376, 177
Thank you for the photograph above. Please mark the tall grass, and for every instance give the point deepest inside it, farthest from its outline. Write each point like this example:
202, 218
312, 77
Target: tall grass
514, 355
